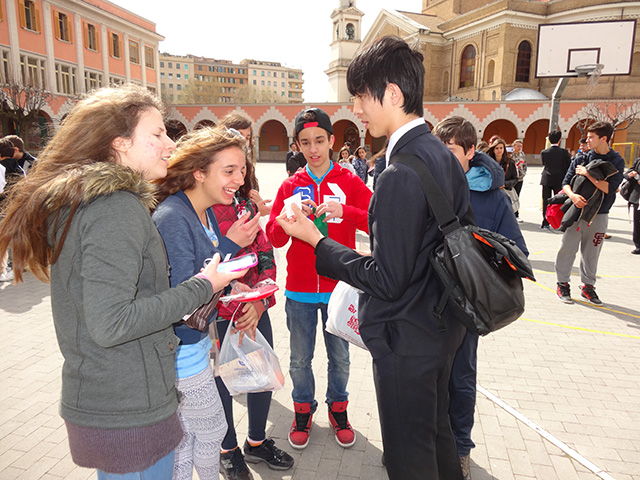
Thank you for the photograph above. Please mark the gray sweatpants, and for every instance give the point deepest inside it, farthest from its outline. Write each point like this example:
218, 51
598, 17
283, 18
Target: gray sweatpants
589, 238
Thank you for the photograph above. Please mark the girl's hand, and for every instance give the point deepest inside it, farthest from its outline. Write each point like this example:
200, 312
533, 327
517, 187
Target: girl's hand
217, 279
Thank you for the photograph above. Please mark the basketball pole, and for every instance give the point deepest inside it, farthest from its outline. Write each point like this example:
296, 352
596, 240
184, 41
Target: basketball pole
555, 103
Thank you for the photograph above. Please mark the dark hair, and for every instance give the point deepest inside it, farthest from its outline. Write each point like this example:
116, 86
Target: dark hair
17, 142
555, 136
602, 129
457, 130
583, 140
389, 60
6, 148
344, 149
347, 143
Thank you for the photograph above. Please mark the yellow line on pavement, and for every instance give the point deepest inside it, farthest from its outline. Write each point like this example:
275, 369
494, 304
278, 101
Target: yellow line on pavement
590, 304
581, 328
599, 275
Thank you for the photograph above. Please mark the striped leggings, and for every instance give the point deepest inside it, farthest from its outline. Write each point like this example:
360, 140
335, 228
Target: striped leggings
203, 421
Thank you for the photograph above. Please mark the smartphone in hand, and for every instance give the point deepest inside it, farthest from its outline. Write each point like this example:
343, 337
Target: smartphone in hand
240, 263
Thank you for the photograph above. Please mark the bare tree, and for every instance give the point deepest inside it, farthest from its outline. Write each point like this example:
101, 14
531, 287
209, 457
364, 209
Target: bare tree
251, 94
621, 114
22, 104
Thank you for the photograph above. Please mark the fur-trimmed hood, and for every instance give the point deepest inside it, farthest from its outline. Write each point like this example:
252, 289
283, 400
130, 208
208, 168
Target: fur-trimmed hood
98, 179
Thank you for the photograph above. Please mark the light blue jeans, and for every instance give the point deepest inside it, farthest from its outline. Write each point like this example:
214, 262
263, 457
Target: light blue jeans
161, 470
302, 322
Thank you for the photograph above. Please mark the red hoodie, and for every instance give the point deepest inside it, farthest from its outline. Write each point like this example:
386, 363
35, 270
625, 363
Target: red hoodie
301, 260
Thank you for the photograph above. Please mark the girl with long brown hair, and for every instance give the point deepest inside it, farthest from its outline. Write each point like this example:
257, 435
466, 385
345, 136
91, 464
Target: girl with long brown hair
81, 220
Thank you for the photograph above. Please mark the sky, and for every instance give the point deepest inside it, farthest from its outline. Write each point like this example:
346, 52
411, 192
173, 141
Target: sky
296, 33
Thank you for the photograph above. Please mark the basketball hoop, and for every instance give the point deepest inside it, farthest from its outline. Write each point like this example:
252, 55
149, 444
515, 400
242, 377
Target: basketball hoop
591, 70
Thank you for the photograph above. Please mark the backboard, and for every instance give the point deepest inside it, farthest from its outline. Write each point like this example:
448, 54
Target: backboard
564, 46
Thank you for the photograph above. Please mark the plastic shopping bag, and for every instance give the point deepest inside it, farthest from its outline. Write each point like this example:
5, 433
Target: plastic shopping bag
342, 314
250, 367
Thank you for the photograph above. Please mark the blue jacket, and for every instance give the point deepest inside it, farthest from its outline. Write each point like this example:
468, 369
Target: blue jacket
491, 206
187, 247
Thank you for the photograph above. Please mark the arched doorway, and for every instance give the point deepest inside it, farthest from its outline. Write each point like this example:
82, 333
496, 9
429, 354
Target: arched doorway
204, 123
535, 137
273, 142
175, 129
345, 131
503, 128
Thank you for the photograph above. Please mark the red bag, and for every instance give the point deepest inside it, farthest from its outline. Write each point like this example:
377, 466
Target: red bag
554, 215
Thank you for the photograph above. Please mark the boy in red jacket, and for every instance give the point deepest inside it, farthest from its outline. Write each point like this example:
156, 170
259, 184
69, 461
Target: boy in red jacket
340, 200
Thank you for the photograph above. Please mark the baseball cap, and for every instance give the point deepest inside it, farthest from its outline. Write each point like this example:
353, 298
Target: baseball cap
322, 120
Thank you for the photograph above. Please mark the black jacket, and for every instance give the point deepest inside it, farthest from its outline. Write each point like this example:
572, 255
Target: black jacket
556, 162
598, 169
399, 284
635, 194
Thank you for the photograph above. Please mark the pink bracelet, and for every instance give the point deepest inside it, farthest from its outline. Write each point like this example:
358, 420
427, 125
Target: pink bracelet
202, 275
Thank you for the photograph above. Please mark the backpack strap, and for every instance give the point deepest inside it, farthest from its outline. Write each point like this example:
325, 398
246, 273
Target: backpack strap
445, 216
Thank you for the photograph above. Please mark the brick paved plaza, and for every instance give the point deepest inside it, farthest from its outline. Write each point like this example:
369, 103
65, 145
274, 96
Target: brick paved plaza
568, 376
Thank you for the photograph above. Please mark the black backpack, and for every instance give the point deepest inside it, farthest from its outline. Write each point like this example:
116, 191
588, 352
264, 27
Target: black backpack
480, 271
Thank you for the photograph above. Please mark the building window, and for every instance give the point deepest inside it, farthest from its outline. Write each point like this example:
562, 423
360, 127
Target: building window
468, 66
170, 65
92, 80
62, 27
262, 73
90, 37
149, 60
186, 67
33, 71
116, 81
66, 79
161, 64
178, 66
178, 75
491, 69
5, 77
523, 64
179, 87
114, 46
186, 76
29, 15
170, 75
161, 74
134, 52
255, 82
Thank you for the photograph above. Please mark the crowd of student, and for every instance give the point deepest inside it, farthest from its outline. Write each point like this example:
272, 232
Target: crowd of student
130, 228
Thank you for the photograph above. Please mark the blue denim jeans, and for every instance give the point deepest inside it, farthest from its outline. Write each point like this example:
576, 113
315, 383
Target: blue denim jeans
302, 322
161, 470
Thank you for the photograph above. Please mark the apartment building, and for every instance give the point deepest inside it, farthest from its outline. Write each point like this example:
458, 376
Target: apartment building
176, 71
73, 46
286, 85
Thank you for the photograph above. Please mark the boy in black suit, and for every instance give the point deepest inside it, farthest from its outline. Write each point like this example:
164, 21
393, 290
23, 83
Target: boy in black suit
412, 352
555, 161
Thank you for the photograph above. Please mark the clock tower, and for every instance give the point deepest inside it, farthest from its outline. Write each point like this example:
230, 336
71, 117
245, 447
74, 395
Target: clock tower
346, 39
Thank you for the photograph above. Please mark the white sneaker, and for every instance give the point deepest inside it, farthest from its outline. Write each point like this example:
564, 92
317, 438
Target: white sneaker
7, 276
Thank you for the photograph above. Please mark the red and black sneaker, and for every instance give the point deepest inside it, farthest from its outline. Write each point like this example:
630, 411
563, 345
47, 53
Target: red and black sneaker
299, 433
345, 436
589, 292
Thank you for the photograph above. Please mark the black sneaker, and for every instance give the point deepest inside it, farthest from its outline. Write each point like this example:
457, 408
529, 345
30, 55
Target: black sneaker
267, 452
232, 466
564, 293
589, 292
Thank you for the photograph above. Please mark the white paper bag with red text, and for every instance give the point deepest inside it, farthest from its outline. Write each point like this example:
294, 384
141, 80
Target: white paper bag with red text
343, 314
